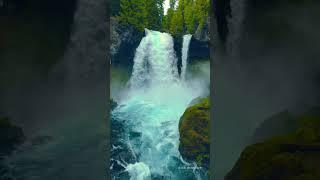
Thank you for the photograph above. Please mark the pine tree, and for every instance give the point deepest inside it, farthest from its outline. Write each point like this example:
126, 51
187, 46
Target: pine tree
142, 13
202, 8
176, 23
132, 12
189, 16
172, 3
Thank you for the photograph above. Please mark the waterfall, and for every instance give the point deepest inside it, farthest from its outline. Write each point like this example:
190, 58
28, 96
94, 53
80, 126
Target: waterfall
154, 61
185, 49
146, 122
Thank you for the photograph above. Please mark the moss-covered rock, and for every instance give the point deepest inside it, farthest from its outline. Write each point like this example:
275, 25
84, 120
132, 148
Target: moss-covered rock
291, 156
194, 133
10, 136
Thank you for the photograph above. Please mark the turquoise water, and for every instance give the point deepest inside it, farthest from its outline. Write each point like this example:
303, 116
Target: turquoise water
145, 136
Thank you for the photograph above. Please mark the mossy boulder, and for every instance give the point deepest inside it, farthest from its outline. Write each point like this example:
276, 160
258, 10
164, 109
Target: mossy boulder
194, 133
10, 136
292, 156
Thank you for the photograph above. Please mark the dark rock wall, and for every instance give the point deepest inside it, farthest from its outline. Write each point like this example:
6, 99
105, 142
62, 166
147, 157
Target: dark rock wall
124, 41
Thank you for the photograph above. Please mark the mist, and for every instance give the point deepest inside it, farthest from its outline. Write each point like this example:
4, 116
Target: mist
273, 66
66, 101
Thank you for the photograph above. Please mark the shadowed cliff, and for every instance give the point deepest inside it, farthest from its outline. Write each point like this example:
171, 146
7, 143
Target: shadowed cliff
271, 65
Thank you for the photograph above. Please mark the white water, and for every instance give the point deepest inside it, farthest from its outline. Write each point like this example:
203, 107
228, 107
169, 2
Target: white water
138, 171
185, 50
154, 61
154, 103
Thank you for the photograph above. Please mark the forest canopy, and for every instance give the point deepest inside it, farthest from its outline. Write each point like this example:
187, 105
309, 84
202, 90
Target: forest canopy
183, 16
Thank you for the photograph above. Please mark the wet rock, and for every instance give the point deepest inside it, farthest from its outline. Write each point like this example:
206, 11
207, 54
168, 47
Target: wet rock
124, 41
194, 133
290, 156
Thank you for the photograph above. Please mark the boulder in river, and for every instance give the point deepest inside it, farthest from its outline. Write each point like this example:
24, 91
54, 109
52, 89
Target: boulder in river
291, 156
194, 133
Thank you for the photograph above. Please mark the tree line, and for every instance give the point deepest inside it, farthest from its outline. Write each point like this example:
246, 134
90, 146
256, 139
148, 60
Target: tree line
183, 16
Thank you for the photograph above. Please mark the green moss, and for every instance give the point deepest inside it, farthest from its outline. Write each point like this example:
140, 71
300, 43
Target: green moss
291, 156
194, 133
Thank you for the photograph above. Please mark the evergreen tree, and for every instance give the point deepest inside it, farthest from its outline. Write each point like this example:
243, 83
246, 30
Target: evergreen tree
176, 23
166, 23
133, 12
202, 8
172, 3
142, 13
189, 16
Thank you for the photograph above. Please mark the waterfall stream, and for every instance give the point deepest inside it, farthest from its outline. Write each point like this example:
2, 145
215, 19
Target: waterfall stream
185, 49
145, 136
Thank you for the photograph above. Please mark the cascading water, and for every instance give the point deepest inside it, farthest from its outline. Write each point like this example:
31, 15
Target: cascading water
185, 49
145, 136
154, 60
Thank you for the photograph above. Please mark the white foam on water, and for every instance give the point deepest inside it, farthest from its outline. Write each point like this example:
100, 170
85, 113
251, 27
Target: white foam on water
155, 101
138, 171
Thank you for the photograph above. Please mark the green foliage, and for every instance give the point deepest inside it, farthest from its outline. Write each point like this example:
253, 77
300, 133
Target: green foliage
176, 23
166, 23
141, 13
188, 17
172, 3
201, 11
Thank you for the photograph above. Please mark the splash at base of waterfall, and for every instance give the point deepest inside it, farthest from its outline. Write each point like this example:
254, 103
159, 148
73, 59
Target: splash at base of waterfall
145, 125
